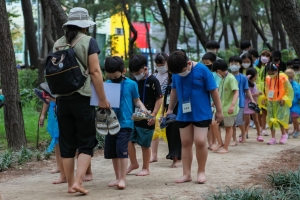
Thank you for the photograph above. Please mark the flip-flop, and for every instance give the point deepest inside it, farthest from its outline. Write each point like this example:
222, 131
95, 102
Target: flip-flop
101, 121
163, 123
112, 122
39, 93
170, 118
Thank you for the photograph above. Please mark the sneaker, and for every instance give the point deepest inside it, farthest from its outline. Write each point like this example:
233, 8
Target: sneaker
296, 134
254, 127
272, 141
264, 132
283, 139
260, 139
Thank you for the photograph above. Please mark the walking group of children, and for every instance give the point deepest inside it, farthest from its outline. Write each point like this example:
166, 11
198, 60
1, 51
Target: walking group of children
204, 96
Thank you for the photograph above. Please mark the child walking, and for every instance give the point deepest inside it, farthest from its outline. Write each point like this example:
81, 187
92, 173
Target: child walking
151, 96
235, 65
229, 94
116, 146
279, 94
295, 109
251, 74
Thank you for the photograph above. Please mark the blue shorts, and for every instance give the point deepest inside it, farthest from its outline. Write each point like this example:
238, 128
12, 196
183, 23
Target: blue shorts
142, 136
116, 146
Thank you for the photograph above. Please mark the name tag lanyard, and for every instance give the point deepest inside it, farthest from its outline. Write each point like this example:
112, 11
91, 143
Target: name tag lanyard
188, 103
223, 85
273, 88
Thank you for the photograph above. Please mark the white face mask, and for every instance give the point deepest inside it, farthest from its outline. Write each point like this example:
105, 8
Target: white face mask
212, 50
234, 68
219, 75
297, 72
162, 69
139, 77
246, 65
185, 73
245, 51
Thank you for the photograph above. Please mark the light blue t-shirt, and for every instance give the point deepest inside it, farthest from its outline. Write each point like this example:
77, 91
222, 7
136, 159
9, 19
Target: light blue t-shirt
124, 113
243, 85
195, 88
217, 80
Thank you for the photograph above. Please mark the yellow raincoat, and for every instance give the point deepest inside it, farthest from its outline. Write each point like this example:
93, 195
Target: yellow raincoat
278, 115
260, 83
159, 133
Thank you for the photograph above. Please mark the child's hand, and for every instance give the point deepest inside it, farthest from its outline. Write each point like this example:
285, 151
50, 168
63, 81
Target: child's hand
151, 121
41, 121
219, 116
281, 102
231, 109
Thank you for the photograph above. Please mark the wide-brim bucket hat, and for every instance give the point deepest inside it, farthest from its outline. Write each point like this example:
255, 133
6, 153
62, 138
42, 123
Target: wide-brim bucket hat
79, 17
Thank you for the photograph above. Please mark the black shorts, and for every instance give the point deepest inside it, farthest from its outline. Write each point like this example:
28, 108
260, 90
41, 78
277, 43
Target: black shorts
116, 146
76, 122
200, 124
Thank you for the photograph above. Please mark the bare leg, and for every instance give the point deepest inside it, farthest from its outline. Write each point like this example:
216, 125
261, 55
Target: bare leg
295, 124
256, 122
154, 150
56, 169
88, 175
247, 122
83, 163
115, 162
273, 133
209, 138
201, 152
242, 128
264, 119
227, 140
132, 156
235, 142
68, 164
62, 178
187, 137
123, 163
146, 162
175, 163
216, 132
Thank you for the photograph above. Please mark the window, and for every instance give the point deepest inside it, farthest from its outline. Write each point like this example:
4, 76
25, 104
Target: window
119, 31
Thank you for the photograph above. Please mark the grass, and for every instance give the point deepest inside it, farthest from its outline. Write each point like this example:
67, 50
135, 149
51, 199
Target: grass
284, 186
31, 117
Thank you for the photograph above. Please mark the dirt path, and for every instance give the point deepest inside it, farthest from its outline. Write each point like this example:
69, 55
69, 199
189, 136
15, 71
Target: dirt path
232, 169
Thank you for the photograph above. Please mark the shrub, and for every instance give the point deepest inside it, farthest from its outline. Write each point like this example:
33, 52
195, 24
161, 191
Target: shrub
24, 155
27, 78
6, 160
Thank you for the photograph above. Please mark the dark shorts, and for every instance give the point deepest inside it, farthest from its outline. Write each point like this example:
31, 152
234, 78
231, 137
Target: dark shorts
116, 146
76, 122
200, 124
142, 136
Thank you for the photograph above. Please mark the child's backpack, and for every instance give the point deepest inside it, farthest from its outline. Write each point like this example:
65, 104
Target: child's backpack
62, 71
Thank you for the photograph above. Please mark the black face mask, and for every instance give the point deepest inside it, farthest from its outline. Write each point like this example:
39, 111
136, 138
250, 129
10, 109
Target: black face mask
117, 80
276, 59
209, 66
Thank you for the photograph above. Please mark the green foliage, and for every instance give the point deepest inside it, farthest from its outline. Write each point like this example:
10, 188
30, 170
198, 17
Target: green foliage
24, 155
100, 139
27, 78
239, 194
225, 55
288, 54
284, 180
5, 160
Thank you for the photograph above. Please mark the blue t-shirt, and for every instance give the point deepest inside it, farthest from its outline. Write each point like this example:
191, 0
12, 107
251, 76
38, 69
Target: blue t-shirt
243, 85
195, 87
217, 80
124, 113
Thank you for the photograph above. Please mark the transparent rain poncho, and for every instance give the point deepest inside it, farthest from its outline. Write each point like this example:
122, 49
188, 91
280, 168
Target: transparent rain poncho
277, 89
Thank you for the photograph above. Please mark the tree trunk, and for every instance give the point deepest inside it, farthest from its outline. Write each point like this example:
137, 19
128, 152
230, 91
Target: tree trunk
200, 34
254, 36
231, 24
14, 124
185, 38
225, 31
290, 16
174, 24
59, 13
246, 16
165, 19
274, 26
197, 15
283, 43
30, 32
262, 35
213, 27
132, 29
148, 38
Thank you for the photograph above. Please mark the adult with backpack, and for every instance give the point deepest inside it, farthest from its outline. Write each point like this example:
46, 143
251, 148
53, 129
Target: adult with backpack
70, 69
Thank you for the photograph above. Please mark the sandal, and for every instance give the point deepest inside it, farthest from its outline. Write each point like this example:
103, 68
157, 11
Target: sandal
141, 115
112, 122
101, 121
260, 139
170, 118
40, 95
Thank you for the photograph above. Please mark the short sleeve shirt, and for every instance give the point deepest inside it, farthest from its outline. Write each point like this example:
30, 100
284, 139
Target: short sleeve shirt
227, 87
149, 91
194, 88
93, 47
129, 93
243, 86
